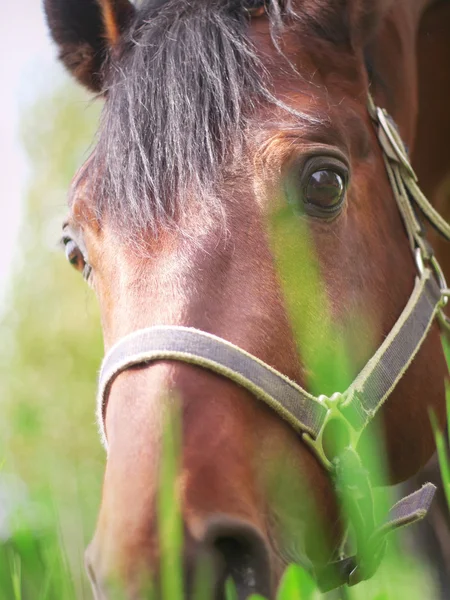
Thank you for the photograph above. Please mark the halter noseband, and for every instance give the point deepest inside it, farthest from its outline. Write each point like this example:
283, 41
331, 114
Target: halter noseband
309, 415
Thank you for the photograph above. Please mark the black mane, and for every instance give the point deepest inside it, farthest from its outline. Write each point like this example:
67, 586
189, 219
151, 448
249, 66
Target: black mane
179, 95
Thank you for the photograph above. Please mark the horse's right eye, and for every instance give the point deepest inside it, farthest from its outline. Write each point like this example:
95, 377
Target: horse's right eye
74, 254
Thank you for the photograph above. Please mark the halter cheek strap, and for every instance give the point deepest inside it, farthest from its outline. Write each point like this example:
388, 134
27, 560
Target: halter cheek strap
311, 415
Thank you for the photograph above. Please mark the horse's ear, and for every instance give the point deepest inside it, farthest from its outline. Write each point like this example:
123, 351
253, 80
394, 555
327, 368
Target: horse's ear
86, 32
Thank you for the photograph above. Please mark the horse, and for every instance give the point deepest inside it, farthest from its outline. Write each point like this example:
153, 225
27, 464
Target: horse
239, 137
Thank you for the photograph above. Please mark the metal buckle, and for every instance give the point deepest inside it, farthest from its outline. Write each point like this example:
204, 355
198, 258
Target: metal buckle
333, 414
384, 121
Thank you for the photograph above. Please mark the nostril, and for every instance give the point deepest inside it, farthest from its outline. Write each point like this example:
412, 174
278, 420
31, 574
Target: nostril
243, 556
239, 563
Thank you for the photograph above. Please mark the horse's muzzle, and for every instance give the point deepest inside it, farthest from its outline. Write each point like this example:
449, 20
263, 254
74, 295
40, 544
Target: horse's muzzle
230, 549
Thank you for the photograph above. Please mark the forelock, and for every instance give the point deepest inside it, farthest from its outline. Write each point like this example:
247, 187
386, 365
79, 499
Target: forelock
180, 94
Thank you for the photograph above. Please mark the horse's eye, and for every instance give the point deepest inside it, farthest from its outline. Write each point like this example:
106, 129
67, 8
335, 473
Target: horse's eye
76, 257
317, 187
74, 254
325, 189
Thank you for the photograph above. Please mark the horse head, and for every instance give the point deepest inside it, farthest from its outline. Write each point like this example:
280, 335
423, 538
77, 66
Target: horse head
237, 187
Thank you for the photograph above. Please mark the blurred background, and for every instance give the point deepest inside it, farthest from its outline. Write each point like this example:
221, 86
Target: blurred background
51, 461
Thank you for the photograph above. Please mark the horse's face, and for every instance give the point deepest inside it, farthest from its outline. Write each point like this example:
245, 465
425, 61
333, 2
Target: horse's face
308, 191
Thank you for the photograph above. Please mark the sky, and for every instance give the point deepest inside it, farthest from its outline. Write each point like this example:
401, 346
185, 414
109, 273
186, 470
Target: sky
28, 69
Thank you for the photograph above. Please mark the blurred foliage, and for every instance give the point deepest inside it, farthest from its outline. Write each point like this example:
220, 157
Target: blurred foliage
50, 352
443, 444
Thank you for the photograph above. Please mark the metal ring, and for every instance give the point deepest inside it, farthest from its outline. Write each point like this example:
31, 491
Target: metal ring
419, 261
445, 291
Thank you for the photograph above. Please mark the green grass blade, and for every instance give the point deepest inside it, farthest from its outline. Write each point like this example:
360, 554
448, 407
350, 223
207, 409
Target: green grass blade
230, 590
444, 462
296, 584
447, 396
16, 575
203, 585
170, 523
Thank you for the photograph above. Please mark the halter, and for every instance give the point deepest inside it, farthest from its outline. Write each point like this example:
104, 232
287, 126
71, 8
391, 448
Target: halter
315, 418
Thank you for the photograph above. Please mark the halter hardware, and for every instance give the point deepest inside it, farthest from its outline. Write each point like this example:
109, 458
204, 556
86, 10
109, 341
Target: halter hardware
395, 147
314, 418
438, 272
321, 445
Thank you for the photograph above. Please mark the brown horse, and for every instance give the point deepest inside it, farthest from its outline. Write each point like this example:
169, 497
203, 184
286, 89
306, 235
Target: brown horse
218, 115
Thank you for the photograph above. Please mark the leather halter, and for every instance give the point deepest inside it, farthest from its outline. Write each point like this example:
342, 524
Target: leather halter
309, 415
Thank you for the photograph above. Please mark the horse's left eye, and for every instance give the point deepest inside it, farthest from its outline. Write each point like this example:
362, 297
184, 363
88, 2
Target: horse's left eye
325, 189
